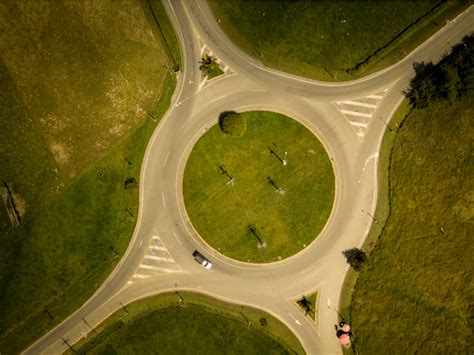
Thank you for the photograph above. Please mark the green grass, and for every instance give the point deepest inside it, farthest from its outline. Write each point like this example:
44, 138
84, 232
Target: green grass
61, 255
311, 299
197, 325
214, 71
381, 213
415, 294
222, 212
164, 30
328, 40
75, 112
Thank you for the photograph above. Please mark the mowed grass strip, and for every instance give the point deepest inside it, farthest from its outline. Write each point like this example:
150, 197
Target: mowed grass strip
188, 323
416, 294
222, 212
321, 40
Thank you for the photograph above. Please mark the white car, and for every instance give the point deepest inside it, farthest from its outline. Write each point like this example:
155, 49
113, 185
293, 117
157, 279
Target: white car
201, 259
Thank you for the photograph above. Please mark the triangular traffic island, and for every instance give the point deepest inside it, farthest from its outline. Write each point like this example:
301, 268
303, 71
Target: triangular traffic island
308, 305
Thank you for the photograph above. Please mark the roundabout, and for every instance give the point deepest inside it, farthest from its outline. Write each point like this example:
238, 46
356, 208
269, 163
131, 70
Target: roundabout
263, 196
163, 225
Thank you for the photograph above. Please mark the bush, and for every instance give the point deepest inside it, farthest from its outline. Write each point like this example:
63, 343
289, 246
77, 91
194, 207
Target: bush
232, 123
355, 258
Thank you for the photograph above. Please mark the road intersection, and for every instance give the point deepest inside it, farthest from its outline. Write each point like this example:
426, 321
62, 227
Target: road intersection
349, 119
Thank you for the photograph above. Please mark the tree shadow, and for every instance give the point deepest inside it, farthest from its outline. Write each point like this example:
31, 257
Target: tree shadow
448, 79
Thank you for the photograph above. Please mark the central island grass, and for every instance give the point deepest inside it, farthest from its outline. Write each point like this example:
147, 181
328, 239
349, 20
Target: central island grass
234, 216
189, 323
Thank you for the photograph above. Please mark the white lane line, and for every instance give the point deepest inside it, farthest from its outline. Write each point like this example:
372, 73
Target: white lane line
354, 113
177, 238
218, 98
358, 124
259, 90
373, 156
149, 267
170, 270
163, 198
167, 157
140, 276
296, 320
156, 237
156, 268
159, 258
156, 247
356, 103
202, 83
378, 97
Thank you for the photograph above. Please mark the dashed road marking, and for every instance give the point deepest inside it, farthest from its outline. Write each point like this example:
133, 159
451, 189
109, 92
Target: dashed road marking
163, 198
159, 258
157, 247
176, 236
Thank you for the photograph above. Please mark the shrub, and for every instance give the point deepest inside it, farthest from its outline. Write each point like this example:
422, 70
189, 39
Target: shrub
232, 123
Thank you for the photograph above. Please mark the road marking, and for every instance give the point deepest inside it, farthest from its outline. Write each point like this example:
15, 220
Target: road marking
356, 103
163, 198
156, 237
149, 267
373, 156
259, 90
140, 276
167, 157
156, 247
218, 98
377, 97
177, 238
358, 124
141, 242
354, 113
159, 258
296, 320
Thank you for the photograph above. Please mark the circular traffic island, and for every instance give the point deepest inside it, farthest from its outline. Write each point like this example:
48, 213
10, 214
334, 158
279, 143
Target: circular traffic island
262, 196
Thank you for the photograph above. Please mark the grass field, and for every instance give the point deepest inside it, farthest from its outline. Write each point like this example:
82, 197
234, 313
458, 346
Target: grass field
222, 212
75, 111
416, 293
328, 40
207, 325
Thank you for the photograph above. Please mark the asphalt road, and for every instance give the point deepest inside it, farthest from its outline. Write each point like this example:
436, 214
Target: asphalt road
248, 85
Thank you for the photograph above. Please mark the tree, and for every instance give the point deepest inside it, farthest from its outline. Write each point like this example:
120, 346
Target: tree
232, 123
449, 79
208, 65
355, 258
